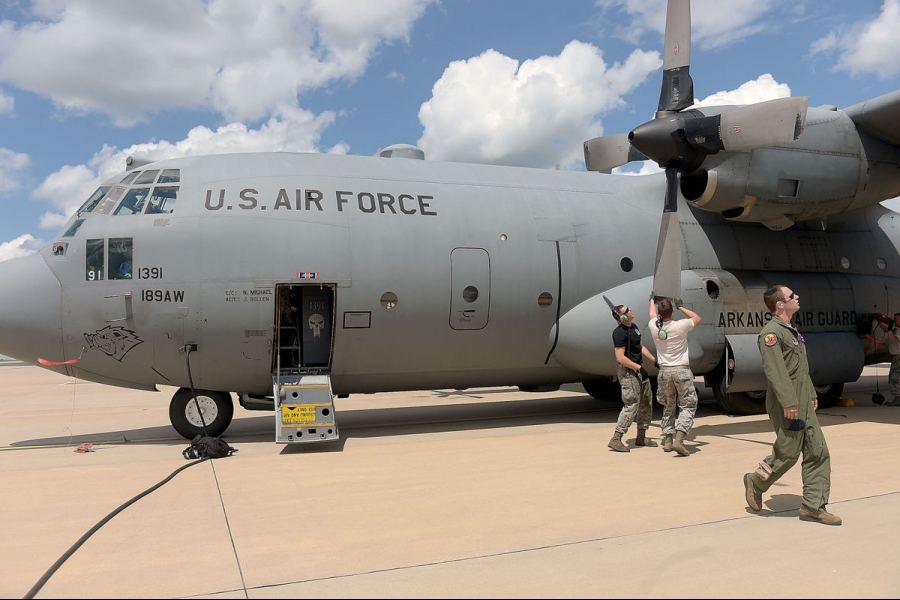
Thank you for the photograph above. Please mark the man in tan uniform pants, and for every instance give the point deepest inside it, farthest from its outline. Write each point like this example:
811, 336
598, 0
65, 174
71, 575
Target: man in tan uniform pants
791, 403
676, 381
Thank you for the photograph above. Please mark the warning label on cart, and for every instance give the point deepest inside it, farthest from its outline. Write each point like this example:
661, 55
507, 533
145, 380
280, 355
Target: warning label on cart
298, 415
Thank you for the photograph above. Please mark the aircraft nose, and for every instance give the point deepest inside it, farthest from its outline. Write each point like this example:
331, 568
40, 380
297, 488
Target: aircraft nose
30, 310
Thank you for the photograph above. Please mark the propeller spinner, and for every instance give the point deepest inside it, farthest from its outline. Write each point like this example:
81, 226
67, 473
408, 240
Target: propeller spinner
679, 140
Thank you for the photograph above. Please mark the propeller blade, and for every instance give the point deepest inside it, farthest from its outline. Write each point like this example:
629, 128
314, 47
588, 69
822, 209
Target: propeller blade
677, 92
667, 271
671, 203
764, 124
610, 151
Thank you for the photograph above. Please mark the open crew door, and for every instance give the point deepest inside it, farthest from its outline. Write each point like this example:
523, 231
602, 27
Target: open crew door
304, 328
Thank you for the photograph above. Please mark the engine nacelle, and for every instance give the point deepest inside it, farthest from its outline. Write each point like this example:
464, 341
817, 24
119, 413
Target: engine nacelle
832, 168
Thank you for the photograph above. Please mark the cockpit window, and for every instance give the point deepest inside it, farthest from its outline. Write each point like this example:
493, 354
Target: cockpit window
170, 176
130, 177
110, 200
93, 260
94, 199
120, 258
147, 177
133, 202
162, 200
71, 230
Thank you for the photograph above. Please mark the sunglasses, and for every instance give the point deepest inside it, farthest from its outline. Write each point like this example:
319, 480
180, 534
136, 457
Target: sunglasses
791, 297
626, 311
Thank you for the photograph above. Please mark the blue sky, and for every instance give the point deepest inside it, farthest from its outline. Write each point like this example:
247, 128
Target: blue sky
86, 83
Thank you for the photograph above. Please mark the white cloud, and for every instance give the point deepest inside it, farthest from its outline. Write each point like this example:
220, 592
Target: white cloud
12, 164
760, 89
21, 246
7, 104
241, 57
290, 130
492, 109
714, 23
868, 46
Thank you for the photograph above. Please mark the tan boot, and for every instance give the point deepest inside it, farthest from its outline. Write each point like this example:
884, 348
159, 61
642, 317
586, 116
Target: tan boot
753, 495
821, 516
616, 443
667, 443
678, 445
643, 440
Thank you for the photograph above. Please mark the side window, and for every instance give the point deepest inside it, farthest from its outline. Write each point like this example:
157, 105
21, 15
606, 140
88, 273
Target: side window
162, 200
130, 177
93, 260
110, 200
133, 202
120, 258
93, 200
170, 176
147, 177
71, 230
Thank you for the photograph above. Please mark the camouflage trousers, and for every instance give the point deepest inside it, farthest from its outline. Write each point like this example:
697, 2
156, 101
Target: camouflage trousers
637, 398
894, 376
676, 390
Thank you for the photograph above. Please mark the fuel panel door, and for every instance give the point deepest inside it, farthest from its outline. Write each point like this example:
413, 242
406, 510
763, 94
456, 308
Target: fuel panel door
470, 288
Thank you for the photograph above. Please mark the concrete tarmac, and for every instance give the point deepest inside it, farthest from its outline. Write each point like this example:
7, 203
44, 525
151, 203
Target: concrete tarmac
481, 493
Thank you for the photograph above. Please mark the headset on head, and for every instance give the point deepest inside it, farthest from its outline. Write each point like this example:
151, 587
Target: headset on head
621, 318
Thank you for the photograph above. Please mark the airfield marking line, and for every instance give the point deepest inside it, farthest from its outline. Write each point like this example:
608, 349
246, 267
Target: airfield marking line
237, 557
470, 419
769, 513
105, 443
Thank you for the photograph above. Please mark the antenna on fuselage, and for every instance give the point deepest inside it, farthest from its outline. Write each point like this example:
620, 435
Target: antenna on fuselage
133, 162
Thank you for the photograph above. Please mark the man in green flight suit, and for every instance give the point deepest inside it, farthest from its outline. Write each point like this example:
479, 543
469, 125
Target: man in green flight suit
791, 403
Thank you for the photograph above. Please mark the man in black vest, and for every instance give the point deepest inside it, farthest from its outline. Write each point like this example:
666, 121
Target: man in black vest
636, 393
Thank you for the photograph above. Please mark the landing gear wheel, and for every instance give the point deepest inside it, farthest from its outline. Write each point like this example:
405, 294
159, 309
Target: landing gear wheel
216, 408
829, 394
738, 403
607, 388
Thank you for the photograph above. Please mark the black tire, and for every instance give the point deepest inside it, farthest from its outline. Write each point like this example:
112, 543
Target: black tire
609, 389
217, 407
606, 388
738, 403
829, 395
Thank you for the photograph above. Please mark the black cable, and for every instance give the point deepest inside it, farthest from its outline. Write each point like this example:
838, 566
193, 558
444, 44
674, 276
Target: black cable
187, 359
46, 577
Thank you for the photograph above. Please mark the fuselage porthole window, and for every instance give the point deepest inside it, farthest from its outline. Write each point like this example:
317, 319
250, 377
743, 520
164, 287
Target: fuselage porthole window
147, 177
121, 263
95, 198
133, 202
93, 260
170, 176
162, 200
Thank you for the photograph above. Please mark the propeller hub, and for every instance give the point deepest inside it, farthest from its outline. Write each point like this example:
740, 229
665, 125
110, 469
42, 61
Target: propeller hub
663, 141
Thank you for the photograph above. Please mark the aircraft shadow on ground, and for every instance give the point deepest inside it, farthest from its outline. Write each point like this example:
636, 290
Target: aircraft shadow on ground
421, 419
378, 422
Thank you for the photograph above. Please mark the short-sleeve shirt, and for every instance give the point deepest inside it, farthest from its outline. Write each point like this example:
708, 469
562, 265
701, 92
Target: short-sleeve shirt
630, 339
672, 351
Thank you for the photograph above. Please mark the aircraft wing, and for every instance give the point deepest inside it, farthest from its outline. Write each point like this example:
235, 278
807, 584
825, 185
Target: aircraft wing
879, 117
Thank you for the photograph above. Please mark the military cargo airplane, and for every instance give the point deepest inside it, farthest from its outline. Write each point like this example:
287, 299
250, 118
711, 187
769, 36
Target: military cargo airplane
228, 275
